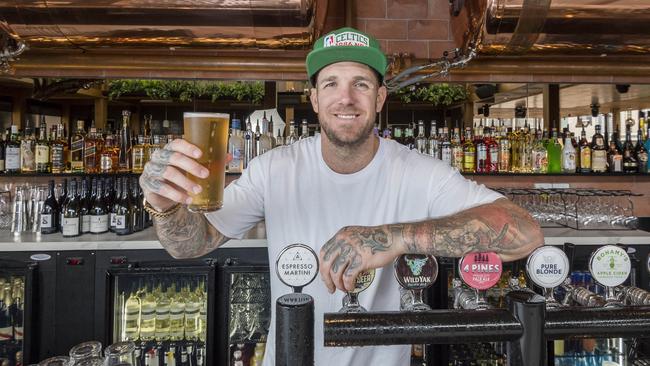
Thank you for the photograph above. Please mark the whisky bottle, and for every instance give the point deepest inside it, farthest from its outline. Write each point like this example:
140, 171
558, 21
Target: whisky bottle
42, 151
137, 152
585, 152
77, 148
92, 152
598, 152
108, 161
28, 152
124, 155
630, 164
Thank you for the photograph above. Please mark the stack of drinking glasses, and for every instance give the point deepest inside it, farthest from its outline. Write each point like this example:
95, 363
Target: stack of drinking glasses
90, 354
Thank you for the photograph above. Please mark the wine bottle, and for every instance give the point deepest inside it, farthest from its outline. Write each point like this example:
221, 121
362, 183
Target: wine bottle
71, 223
136, 213
98, 210
84, 207
115, 203
50, 212
124, 211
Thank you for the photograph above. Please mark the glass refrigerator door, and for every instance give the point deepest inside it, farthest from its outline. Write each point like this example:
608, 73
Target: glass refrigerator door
15, 303
165, 311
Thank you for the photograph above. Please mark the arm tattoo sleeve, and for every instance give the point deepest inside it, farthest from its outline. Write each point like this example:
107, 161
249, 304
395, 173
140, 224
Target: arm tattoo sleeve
188, 235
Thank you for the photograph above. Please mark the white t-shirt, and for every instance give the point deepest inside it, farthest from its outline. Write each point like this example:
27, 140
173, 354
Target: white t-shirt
304, 201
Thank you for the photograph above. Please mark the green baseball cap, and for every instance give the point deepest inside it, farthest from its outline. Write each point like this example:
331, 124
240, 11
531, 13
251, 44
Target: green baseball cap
346, 44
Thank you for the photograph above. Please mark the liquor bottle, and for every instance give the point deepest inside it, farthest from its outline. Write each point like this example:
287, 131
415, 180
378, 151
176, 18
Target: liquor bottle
504, 151
162, 314
77, 148
397, 136
554, 153
124, 211
614, 158
131, 316
192, 313
446, 154
585, 152
108, 160
598, 152
50, 212
539, 154
156, 145
137, 218
42, 151
482, 154
292, 133
630, 165
58, 147
262, 140
249, 144
12, 152
124, 152
28, 152
3, 144
114, 206
92, 152
148, 313
457, 153
433, 145
84, 207
279, 139
568, 155
305, 129
409, 139
646, 144
177, 317
525, 149
641, 152
492, 150
137, 153
236, 148
98, 209
421, 140
268, 131
71, 222
469, 153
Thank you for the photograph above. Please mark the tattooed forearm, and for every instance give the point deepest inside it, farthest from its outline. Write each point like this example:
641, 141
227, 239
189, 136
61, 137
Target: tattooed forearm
187, 235
501, 227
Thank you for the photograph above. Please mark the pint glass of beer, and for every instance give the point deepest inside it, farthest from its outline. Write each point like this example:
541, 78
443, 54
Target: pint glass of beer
209, 132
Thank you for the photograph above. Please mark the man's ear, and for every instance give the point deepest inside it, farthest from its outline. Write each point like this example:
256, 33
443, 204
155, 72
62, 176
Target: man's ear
313, 97
382, 93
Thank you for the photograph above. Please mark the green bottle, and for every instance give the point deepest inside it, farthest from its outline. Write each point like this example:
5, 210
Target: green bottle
554, 153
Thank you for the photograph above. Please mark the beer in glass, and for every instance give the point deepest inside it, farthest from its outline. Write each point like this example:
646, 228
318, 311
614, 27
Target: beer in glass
209, 132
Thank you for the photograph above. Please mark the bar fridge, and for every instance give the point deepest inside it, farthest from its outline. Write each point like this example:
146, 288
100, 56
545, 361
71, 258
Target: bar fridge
166, 308
17, 289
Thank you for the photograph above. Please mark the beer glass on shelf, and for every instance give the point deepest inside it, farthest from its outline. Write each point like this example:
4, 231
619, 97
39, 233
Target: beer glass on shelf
120, 354
84, 351
55, 361
209, 132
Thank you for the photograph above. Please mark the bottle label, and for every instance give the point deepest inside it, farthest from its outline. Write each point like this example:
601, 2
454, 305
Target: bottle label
90, 150
111, 219
42, 154
27, 157
445, 155
468, 161
46, 221
70, 226
6, 333
599, 160
12, 158
85, 223
617, 163
98, 223
138, 158
120, 221
57, 157
481, 152
585, 158
106, 163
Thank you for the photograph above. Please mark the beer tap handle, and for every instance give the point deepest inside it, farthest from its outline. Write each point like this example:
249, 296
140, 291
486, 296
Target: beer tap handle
570, 251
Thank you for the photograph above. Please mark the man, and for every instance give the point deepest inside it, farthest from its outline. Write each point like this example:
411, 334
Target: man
358, 200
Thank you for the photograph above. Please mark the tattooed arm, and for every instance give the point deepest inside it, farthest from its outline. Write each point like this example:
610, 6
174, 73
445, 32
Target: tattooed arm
183, 234
500, 227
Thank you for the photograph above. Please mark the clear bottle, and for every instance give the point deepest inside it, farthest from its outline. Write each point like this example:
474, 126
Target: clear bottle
469, 153
598, 152
264, 143
525, 149
421, 140
279, 140
77, 148
249, 144
162, 315
42, 150
137, 153
147, 314
409, 139
71, 212
50, 212
236, 147
292, 133
177, 317
433, 145
98, 210
131, 316
568, 155
585, 152
446, 154
304, 125
192, 313
457, 150
28, 152
125, 144
504, 152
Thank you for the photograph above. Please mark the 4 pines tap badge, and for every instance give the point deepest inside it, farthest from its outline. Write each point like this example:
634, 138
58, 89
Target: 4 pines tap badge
416, 272
297, 266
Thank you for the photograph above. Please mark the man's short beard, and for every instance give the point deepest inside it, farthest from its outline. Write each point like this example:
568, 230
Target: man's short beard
363, 137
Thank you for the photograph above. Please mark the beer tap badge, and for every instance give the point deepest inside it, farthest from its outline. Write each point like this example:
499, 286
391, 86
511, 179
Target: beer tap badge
610, 265
364, 280
297, 266
547, 266
480, 270
416, 271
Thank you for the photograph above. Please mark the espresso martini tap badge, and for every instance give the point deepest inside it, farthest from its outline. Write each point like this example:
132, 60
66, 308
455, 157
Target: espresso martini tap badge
297, 266
610, 266
480, 271
415, 273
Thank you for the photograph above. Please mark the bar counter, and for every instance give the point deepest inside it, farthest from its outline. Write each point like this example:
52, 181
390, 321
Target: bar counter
256, 238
